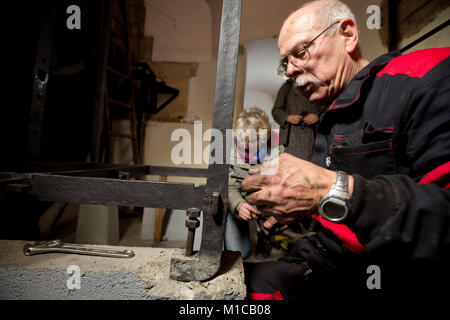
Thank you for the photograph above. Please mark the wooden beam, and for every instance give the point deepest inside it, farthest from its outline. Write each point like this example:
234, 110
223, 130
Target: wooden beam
159, 216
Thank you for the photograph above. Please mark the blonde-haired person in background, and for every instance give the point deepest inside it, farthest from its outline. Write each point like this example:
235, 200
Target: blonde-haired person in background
253, 146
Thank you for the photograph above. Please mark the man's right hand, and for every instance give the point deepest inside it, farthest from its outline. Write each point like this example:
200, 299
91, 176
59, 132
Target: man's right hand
246, 211
294, 119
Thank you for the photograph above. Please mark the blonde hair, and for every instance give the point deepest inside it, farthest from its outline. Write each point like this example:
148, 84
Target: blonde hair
253, 119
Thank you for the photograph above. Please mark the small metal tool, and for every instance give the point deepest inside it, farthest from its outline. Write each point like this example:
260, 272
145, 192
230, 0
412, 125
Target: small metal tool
53, 246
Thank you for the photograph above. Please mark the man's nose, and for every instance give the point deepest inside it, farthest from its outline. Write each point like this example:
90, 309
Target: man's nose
293, 70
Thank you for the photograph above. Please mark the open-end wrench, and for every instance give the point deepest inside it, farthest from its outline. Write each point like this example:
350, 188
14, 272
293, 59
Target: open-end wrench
58, 246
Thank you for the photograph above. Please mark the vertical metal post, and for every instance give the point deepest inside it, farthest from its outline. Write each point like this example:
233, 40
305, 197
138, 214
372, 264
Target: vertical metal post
99, 107
40, 80
393, 25
215, 203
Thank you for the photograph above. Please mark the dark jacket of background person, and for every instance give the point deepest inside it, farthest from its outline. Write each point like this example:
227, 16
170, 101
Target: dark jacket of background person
298, 139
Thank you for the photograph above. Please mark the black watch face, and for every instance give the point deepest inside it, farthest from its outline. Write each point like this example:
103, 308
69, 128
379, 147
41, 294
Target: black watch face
333, 210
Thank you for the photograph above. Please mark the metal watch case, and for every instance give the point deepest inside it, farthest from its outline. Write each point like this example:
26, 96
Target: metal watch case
334, 206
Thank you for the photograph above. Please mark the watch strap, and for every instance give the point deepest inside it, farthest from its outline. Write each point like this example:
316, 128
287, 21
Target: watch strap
339, 188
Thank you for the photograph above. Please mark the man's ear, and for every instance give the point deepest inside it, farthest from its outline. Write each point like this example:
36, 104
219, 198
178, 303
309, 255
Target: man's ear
350, 33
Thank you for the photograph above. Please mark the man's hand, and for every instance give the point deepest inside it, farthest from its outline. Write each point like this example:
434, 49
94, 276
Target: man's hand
246, 211
271, 226
310, 119
294, 119
290, 191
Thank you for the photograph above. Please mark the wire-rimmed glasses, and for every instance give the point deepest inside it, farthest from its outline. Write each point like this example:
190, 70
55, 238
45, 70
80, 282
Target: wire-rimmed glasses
299, 55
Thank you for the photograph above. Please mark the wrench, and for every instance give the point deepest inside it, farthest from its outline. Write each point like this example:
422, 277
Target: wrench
58, 246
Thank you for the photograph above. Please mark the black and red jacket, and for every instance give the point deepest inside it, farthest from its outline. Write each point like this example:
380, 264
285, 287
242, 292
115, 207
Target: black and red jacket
389, 128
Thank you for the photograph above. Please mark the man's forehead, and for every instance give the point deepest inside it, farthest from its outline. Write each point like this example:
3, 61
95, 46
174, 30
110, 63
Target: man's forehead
296, 29
289, 40
285, 47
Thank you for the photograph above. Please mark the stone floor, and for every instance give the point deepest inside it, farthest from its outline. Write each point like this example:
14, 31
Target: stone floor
130, 225
145, 276
64, 228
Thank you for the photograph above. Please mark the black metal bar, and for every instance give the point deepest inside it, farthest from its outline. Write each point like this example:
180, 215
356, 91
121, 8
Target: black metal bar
115, 192
103, 44
426, 36
40, 81
100, 170
177, 172
55, 167
214, 217
137, 171
114, 172
393, 29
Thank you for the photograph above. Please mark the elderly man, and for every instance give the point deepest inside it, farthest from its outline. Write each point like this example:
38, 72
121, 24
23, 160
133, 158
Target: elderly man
375, 193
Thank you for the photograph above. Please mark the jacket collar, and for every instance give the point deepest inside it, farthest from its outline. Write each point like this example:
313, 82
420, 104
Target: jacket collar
351, 93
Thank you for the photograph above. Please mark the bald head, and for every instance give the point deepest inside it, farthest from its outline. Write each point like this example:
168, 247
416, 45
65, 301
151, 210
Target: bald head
318, 46
315, 16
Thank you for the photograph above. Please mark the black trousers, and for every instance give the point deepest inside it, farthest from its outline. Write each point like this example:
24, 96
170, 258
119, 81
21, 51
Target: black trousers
308, 267
318, 265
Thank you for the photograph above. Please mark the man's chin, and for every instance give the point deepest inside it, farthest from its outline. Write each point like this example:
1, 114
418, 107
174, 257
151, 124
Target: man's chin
317, 98
314, 94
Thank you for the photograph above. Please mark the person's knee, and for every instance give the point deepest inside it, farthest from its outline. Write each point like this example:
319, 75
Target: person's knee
267, 277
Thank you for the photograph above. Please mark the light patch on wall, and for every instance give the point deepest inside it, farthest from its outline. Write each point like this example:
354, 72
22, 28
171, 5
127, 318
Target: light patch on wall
262, 81
181, 30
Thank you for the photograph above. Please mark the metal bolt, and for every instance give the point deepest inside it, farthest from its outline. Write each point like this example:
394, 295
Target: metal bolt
193, 212
192, 223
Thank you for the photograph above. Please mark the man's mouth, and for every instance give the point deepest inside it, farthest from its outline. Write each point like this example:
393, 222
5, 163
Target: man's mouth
307, 88
307, 84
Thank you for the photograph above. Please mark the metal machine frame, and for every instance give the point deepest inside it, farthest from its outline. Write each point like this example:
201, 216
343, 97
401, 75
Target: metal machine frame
113, 185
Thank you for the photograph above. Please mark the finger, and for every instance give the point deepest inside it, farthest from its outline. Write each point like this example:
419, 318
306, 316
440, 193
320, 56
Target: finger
254, 171
254, 183
278, 228
267, 196
262, 228
255, 216
268, 169
245, 211
253, 210
269, 223
261, 199
245, 216
262, 167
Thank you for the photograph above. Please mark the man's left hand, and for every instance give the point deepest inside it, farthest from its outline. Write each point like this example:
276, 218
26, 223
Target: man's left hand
288, 188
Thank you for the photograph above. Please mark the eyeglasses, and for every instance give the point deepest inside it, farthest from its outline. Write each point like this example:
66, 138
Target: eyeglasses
299, 54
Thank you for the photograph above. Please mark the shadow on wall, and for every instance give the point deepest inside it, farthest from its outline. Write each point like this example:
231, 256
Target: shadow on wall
262, 81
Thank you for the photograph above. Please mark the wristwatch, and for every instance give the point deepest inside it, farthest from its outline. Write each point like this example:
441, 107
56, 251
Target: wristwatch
334, 206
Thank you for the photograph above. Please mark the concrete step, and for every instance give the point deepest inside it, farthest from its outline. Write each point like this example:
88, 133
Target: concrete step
61, 276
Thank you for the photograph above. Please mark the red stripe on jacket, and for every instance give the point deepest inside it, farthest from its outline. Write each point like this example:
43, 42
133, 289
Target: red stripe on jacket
348, 238
265, 296
415, 64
